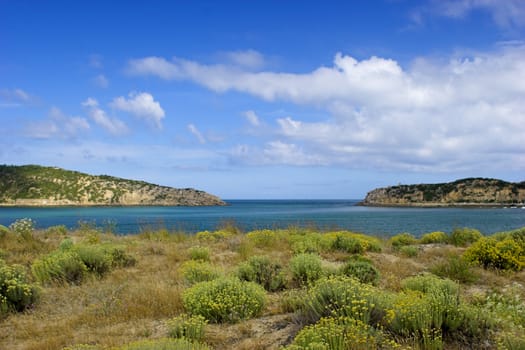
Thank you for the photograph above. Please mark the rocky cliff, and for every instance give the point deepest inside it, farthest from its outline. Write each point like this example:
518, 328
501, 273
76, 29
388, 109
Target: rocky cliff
465, 192
33, 185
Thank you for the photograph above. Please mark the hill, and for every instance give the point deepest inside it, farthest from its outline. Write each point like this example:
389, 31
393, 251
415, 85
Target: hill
464, 192
33, 185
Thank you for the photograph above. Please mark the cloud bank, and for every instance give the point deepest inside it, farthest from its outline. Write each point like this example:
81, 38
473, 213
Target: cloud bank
114, 126
457, 113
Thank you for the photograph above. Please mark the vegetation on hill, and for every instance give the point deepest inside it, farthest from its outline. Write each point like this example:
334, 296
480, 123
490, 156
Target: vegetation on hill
471, 191
287, 289
37, 185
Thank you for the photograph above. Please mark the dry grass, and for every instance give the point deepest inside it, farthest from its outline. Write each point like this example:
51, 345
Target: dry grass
133, 303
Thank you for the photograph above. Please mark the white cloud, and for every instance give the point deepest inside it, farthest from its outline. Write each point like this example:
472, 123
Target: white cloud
193, 129
14, 97
112, 125
101, 81
57, 125
248, 58
143, 106
505, 13
252, 118
465, 111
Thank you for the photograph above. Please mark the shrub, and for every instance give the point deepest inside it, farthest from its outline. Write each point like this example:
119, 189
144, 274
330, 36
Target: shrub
341, 296
199, 253
306, 268
461, 237
94, 257
23, 227
456, 268
16, 293
340, 334
364, 271
58, 230
119, 258
214, 236
164, 344
225, 300
66, 244
434, 237
410, 251
261, 270
506, 254
350, 242
4, 231
186, 326
263, 238
402, 239
59, 267
195, 271
306, 243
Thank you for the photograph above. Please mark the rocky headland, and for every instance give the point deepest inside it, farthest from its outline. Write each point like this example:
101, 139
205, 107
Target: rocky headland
33, 185
475, 192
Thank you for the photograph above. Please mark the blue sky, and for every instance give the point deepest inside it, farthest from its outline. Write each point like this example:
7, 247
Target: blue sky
266, 99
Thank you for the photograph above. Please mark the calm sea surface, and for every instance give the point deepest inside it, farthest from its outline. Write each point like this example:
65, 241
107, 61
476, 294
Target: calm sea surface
257, 214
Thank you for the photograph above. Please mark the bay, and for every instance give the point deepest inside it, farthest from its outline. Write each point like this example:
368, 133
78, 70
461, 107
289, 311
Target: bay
259, 214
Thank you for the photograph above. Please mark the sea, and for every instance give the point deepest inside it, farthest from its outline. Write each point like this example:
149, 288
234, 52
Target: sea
251, 215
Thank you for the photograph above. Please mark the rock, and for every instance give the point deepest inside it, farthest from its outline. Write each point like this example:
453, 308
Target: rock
464, 192
33, 185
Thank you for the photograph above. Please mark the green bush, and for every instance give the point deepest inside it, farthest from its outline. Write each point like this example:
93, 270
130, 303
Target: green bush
263, 238
23, 228
351, 242
186, 326
59, 267
364, 271
488, 252
306, 268
261, 270
341, 296
199, 253
16, 294
94, 257
58, 230
213, 236
340, 334
307, 243
461, 237
66, 244
434, 237
410, 251
402, 239
195, 271
4, 231
225, 300
119, 257
164, 344
456, 268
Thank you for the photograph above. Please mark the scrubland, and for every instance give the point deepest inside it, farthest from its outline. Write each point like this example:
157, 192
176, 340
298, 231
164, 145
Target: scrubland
291, 289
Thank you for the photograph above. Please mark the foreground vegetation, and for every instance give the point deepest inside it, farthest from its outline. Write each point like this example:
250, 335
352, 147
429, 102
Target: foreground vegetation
268, 289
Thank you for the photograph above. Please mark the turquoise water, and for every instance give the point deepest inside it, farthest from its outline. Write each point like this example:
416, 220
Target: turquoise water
256, 214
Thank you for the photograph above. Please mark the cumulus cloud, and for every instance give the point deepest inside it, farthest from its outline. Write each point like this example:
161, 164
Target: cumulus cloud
252, 118
193, 129
57, 125
141, 105
112, 125
463, 111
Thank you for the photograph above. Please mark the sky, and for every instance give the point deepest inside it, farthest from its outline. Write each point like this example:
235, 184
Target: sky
266, 99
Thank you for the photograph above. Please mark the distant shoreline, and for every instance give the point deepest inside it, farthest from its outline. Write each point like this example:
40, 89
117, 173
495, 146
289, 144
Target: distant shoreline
445, 205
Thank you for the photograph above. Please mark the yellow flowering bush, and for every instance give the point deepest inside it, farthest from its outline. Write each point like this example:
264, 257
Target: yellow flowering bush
186, 326
402, 239
199, 253
306, 268
504, 254
464, 236
164, 344
194, 271
262, 270
212, 236
225, 300
434, 237
351, 242
342, 296
341, 334
263, 238
16, 293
